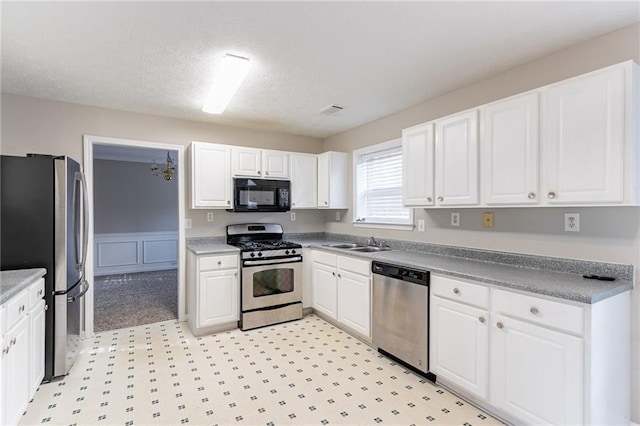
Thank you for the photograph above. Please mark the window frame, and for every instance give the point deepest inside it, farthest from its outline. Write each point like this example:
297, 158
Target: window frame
356, 157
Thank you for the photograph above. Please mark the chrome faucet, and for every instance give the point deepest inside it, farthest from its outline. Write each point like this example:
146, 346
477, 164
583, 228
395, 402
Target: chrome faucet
372, 242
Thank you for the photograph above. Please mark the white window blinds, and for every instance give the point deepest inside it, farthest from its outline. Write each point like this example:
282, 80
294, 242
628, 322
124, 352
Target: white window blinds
379, 185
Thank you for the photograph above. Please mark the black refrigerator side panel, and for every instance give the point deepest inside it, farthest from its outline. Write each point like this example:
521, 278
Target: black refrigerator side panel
27, 226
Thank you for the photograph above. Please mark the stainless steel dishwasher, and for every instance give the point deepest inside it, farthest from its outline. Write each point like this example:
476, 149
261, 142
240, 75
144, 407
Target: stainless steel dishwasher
401, 315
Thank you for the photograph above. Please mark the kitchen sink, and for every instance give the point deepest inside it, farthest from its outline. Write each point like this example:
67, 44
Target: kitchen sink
370, 249
346, 245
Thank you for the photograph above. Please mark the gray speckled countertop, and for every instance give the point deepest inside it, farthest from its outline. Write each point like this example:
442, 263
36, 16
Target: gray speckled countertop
561, 278
13, 282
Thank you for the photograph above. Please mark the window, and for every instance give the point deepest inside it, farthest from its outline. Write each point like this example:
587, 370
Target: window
378, 186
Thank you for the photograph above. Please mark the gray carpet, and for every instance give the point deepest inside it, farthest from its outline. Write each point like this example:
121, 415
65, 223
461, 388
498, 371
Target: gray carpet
127, 300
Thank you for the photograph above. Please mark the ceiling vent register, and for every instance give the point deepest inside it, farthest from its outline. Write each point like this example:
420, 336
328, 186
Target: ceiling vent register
331, 109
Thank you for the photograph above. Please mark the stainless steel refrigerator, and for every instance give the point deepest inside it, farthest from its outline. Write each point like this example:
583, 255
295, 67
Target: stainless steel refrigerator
43, 223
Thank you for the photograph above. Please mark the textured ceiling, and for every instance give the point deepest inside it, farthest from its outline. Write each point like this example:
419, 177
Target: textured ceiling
373, 58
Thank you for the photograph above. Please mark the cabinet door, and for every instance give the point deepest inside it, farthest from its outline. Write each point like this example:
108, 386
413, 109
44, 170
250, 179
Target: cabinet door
210, 176
417, 165
275, 164
584, 140
246, 161
456, 159
37, 330
16, 372
537, 373
509, 140
304, 181
354, 302
323, 180
459, 344
325, 290
218, 299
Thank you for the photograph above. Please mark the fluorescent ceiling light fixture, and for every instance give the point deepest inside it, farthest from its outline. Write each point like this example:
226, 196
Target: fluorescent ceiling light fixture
226, 83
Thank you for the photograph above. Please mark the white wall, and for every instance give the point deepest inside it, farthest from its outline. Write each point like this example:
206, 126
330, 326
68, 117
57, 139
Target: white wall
609, 234
50, 127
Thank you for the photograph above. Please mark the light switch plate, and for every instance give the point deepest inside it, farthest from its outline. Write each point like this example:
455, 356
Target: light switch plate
421, 225
337, 216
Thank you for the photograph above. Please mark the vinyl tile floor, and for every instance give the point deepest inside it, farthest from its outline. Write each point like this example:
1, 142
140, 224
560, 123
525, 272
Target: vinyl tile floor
304, 372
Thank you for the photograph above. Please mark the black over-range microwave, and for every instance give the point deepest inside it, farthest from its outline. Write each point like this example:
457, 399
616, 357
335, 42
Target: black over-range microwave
261, 195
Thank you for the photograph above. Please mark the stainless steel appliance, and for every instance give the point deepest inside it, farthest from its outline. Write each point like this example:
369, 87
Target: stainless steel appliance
401, 315
43, 207
271, 275
261, 195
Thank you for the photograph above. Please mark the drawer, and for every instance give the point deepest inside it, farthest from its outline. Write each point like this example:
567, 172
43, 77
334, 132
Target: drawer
460, 290
326, 258
557, 315
208, 263
17, 308
36, 292
357, 266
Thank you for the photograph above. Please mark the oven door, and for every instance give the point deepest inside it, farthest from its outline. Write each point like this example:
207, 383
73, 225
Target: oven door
271, 282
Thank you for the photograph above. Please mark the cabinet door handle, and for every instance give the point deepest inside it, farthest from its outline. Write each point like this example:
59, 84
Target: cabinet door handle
333, 273
531, 195
21, 308
440, 199
266, 173
293, 204
499, 325
533, 310
259, 172
481, 319
40, 292
456, 291
339, 276
228, 202
13, 341
429, 199
5, 350
326, 202
219, 263
551, 194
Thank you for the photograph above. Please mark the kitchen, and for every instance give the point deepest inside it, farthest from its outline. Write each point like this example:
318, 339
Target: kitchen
607, 234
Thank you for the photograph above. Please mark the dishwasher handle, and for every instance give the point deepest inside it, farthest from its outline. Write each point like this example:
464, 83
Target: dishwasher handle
401, 273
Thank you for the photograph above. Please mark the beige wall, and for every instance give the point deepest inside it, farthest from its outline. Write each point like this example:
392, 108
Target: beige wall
50, 127
607, 234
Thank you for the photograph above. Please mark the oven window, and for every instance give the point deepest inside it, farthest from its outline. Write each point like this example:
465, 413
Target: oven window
272, 281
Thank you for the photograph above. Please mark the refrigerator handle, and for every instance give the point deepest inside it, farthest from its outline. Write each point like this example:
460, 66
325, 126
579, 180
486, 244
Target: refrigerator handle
85, 224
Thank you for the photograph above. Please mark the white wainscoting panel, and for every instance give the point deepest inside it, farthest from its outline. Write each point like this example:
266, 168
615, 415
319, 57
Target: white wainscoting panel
135, 252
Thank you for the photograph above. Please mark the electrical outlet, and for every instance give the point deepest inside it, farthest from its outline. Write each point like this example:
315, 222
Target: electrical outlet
337, 216
421, 225
572, 222
293, 216
187, 223
487, 219
455, 219
209, 217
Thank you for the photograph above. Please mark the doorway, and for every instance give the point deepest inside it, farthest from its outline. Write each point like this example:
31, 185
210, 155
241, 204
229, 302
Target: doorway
136, 239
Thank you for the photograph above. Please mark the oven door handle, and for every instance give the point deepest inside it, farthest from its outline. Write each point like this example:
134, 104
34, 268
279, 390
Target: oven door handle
272, 261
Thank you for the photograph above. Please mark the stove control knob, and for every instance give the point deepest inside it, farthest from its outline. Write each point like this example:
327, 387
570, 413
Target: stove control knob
259, 254
286, 252
293, 252
253, 255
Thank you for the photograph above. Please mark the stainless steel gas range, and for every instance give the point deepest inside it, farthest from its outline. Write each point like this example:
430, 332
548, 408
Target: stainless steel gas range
271, 275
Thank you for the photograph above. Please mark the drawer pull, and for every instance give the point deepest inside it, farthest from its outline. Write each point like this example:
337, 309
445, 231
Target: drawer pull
5, 350
219, 263
13, 341
481, 319
533, 310
333, 273
429, 199
339, 276
40, 292
21, 308
228, 202
456, 291
440, 199
531, 195
499, 325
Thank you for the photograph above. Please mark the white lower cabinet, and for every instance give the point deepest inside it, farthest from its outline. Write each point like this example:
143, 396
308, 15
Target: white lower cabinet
22, 363
213, 292
537, 373
342, 290
532, 360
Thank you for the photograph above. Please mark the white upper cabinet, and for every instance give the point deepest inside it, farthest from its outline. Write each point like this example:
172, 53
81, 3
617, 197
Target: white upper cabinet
253, 162
417, 165
585, 139
210, 176
332, 180
509, 140
456, 159
304, 181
